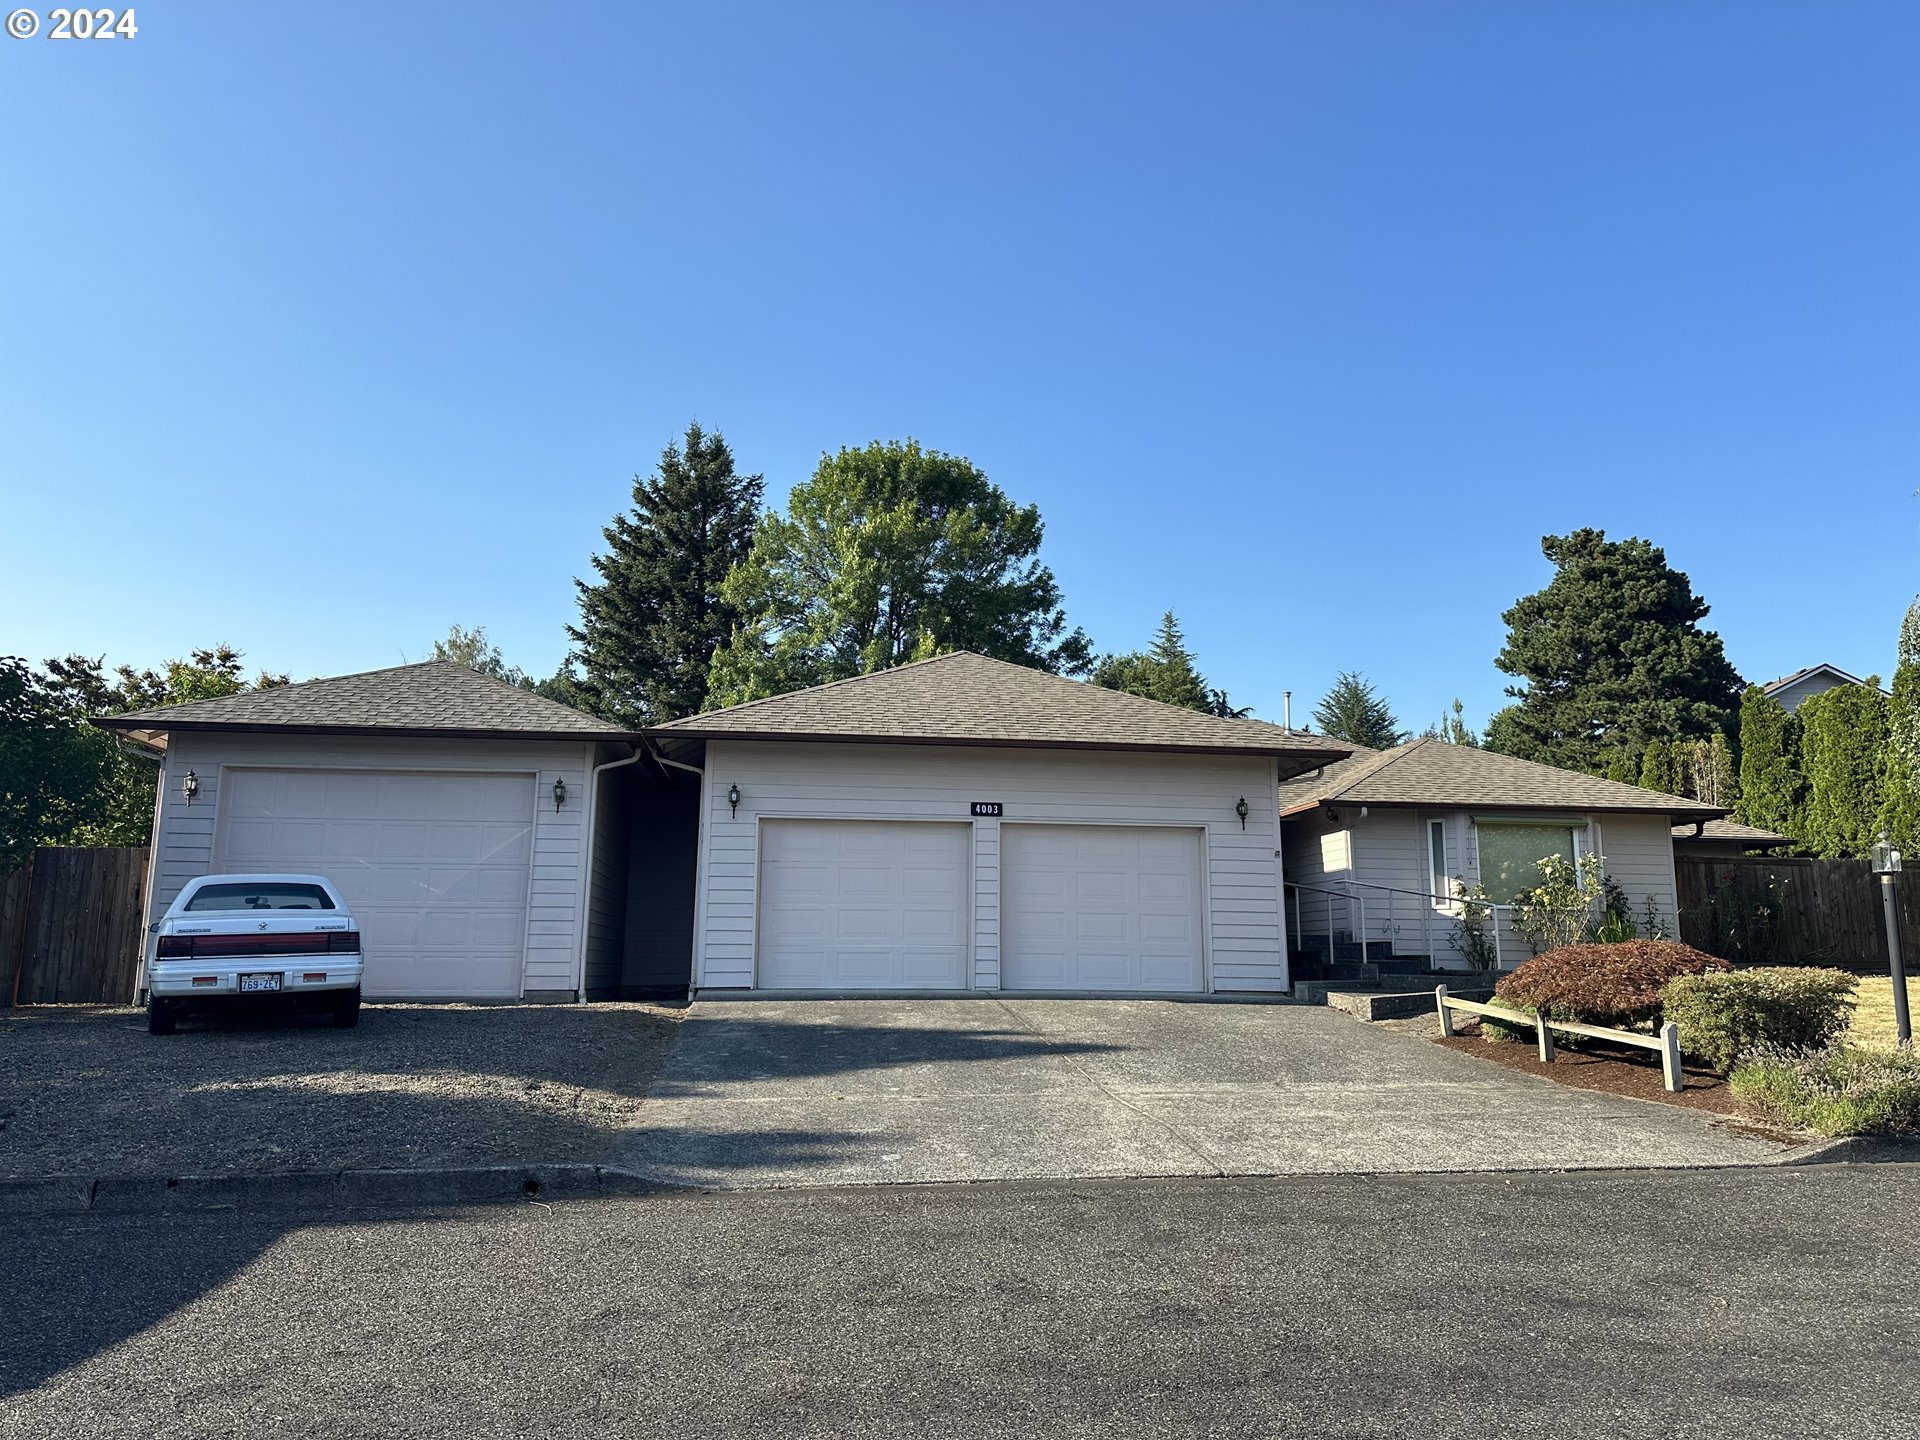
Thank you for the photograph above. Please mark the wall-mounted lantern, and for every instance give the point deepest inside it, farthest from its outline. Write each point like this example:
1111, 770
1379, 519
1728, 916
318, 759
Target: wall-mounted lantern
559, 795
190, 786
733, 799
1241, 810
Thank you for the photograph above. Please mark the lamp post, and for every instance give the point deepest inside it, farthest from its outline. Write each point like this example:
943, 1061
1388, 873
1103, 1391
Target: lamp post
1886, 864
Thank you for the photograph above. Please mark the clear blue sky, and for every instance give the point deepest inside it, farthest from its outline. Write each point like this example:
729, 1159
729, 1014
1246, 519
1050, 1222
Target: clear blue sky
328, 325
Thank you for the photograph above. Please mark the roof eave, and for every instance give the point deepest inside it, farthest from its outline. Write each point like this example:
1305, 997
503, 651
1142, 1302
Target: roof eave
148, 726
1306, 759
1688, 814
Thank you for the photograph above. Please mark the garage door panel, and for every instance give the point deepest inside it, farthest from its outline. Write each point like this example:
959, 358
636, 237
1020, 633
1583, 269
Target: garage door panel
862, 905
1101, 908
435, 866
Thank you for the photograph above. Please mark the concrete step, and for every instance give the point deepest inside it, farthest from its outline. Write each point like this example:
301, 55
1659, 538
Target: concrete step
1395, 1004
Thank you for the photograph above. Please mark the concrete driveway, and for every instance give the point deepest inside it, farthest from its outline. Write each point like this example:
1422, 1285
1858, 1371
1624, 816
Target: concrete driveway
824, 1092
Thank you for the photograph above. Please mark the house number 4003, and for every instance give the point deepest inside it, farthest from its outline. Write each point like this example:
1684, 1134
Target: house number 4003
986, 807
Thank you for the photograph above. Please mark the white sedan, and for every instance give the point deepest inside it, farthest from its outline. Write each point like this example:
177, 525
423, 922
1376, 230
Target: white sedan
240, 939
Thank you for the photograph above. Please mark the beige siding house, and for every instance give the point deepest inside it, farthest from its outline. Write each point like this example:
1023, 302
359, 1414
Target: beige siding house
962, 824
1375, 845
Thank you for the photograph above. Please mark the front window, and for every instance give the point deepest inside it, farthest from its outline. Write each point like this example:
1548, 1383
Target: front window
1510, 856
260, 895
1442, 889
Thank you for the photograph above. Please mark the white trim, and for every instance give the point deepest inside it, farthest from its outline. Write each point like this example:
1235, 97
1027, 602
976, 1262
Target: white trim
1279, 880
700, 891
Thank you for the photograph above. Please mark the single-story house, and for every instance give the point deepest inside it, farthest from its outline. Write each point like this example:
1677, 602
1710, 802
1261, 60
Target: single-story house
1790, 690
1375, 845
955, 825
1724, 840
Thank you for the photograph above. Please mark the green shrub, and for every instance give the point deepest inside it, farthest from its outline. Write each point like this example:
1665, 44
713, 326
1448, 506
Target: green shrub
1724, 1015
1615, 985
1519, 1028
1839, 1091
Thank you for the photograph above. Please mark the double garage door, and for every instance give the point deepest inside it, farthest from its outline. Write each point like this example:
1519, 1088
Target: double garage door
885, 905
435, 867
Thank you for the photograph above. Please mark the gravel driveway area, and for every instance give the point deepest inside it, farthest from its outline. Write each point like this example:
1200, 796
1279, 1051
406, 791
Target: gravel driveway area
86, 1091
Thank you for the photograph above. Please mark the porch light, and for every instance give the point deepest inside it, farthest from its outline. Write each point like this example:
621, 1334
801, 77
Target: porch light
1240, 809
559, 795
1886, 859
733, 799
190, 786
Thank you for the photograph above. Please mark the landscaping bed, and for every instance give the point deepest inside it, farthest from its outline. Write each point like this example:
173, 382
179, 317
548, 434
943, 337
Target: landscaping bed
1614, 1070
84, 1090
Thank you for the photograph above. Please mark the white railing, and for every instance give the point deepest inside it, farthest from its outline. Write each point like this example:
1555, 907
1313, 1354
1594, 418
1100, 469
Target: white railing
1666, 1041
1428, 914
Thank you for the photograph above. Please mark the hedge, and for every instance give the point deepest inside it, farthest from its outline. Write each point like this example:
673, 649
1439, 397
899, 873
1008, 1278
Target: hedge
1723, 1017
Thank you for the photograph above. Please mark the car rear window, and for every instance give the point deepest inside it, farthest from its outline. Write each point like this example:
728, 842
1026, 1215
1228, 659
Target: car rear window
260, 896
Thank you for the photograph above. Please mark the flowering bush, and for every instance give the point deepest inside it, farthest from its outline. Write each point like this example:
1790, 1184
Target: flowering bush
1616, 985
1723, 1016
1556, 912
1842, 1090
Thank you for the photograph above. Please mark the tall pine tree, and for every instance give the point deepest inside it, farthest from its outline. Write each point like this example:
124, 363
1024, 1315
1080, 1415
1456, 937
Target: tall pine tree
1612, 656
1166, 673
650, 625
1355, 712
1900, 780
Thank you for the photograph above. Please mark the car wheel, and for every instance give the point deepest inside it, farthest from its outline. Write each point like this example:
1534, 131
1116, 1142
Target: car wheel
346, 1012
161, 1017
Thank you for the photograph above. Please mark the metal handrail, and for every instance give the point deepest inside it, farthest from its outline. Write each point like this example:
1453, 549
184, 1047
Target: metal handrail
1453, 905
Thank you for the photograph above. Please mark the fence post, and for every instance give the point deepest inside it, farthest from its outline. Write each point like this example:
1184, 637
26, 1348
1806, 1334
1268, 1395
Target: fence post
1670, 1057
1446, 1019
1545, 1037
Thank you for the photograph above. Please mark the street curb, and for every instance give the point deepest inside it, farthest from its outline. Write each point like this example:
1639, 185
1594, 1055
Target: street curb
159, 1194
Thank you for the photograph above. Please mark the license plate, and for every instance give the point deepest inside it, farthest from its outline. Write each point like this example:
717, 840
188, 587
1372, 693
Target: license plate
251, 983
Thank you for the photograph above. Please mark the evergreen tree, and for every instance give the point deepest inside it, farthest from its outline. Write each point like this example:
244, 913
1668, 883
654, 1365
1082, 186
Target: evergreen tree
1622, 766
1772, 788
1900, 778
1453, 728
888, 554
1503, 737
649, 626
1656, 768
1612, 656
1355, 713
1843, 741
1166, 673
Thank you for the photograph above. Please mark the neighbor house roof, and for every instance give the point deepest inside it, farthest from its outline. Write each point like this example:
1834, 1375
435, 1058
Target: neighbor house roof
1750, 836
968, 699
433, 698
1435, 774
1840, 677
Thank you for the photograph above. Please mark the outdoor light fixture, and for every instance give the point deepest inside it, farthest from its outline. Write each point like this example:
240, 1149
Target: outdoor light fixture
559, 795
1886, 864
733, 799
190, 786
1240, 809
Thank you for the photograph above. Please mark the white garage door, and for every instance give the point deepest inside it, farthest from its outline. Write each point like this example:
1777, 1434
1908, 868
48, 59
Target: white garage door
862, 905
1099, 907
435, 867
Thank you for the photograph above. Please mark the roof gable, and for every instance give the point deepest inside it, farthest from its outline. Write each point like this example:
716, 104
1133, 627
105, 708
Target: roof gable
1431, 772
433, 697
968, 699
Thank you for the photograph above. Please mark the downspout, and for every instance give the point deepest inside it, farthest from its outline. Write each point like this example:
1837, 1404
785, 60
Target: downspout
586, 885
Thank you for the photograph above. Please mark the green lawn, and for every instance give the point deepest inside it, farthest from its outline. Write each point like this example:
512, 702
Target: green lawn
1873, 1014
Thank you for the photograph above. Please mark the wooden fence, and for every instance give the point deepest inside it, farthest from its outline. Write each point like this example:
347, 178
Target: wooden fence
72, 927
1793, 911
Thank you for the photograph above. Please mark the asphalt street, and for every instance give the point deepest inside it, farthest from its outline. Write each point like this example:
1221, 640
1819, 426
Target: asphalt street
1773, 1302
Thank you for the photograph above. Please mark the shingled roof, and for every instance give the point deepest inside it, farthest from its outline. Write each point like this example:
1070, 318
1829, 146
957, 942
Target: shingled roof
1751, 836
1432, 773
434, 697
968, 699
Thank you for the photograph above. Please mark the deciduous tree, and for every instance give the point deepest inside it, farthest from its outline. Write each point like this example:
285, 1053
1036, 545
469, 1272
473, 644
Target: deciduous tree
887, 554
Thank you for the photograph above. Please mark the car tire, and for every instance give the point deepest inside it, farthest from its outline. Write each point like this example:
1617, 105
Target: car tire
161, 1017
346, 1013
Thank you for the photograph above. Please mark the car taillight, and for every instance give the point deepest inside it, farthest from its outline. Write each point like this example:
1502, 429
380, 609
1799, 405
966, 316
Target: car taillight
175, 947
344, 942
